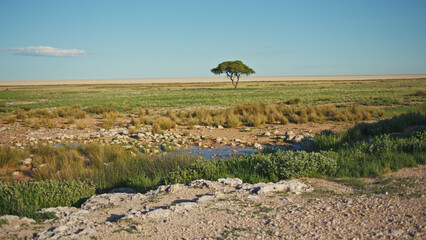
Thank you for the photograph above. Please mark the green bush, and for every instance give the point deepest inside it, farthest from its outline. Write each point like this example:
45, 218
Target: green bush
258, 168
303, 164
25, 198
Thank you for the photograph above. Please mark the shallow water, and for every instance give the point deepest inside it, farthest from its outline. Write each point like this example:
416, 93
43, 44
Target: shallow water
217, 153
227, 151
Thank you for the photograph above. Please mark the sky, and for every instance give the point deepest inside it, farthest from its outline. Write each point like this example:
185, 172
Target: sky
80, 39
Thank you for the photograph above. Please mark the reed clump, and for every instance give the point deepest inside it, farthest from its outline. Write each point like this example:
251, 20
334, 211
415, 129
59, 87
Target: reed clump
75, 112
136, 122
106, 166
257, 114
109, 119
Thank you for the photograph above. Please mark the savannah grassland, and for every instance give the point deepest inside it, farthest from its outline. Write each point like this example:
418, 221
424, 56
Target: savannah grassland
181, 95
393, 138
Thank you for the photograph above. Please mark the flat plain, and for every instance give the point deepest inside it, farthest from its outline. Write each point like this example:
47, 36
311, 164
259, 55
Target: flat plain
219, 94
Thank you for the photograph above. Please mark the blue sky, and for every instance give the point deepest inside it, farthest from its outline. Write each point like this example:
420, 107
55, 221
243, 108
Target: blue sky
154, 39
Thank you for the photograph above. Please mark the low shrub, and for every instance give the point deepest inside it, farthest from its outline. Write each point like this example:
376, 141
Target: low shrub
296, 164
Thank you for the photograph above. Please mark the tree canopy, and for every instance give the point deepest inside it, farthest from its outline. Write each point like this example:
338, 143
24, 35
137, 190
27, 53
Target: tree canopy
233, 70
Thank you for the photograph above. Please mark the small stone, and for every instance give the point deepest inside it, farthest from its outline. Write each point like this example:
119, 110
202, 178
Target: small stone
298, 138
257, 146
267, 134
27, 161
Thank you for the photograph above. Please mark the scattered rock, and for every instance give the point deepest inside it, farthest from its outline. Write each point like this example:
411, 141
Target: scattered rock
230, 181
281, 186
201, 183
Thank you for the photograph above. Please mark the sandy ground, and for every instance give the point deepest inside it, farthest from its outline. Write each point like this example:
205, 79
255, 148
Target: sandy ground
210, 79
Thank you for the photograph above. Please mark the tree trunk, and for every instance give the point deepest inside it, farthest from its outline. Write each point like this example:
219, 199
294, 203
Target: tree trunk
236, 83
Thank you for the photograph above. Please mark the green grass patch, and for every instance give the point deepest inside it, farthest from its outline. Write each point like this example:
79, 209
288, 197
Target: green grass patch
369, 149
25, 198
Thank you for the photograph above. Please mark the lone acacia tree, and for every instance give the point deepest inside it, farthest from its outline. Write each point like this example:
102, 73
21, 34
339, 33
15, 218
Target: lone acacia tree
233, 70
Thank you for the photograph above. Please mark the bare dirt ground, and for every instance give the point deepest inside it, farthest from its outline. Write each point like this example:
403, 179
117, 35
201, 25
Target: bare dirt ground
210, 79
392, 207
17, 133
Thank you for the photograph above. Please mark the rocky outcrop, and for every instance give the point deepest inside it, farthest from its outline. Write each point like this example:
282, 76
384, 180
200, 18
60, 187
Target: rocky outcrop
80, 223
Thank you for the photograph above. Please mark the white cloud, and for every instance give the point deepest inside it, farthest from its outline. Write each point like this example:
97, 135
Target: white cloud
47, 51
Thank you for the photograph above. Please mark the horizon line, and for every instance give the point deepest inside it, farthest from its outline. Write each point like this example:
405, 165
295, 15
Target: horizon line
210, 79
